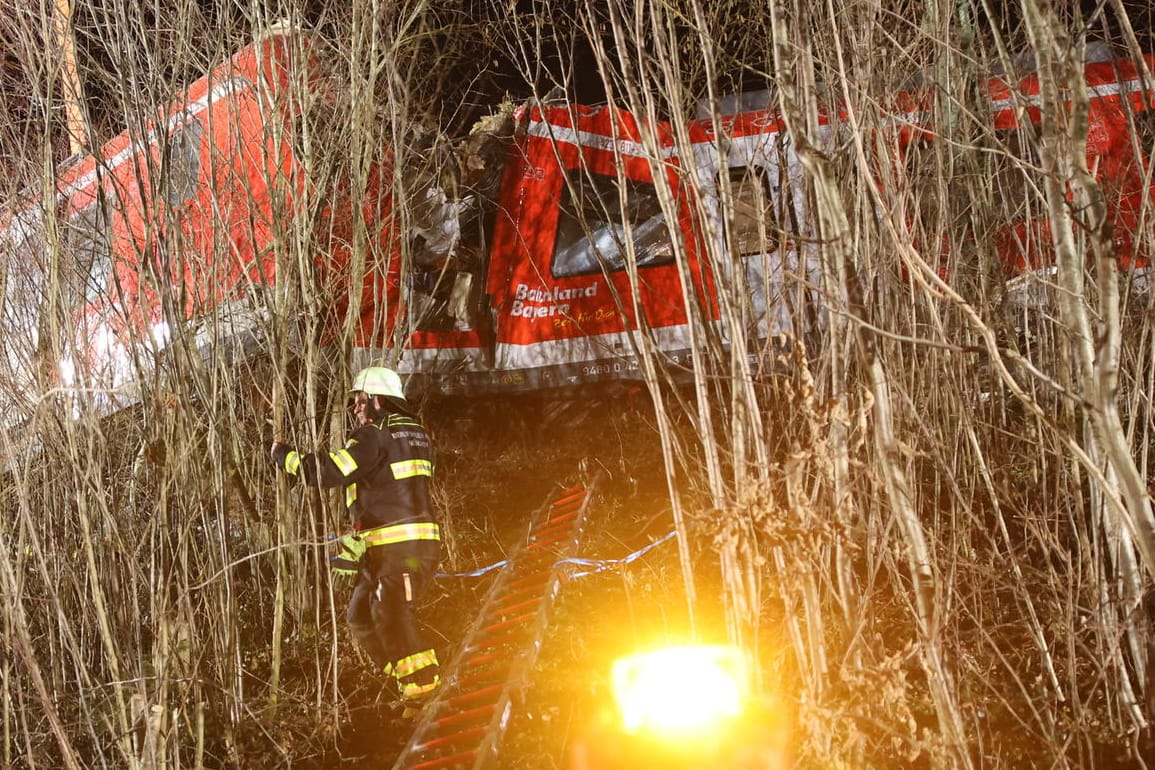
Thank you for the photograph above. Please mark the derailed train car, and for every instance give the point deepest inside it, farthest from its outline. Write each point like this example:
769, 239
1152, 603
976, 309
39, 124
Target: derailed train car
1120, 143
595, 253
599, 244
160, 226
599, 251
175, 229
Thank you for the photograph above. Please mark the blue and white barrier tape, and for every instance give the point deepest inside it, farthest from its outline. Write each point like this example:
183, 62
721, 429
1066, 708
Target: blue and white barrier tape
476, 572
598, 565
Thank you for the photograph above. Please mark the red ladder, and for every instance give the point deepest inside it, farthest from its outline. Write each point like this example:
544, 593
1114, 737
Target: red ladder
463, 725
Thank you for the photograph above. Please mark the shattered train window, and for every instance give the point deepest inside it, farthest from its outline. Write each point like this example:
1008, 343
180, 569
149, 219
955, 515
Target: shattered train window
592, 225
442, 300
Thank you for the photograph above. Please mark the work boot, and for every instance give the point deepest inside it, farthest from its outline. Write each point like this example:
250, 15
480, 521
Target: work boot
415, 697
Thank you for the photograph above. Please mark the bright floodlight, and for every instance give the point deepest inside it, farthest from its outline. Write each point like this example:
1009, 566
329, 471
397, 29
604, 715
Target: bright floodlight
679, 689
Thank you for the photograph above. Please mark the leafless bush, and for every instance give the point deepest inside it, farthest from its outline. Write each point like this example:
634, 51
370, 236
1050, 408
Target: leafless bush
950, 504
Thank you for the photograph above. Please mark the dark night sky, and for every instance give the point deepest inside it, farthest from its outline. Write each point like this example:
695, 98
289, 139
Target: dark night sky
483, 72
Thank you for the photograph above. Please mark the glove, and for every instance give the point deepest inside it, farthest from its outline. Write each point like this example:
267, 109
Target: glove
350, 549
285, 458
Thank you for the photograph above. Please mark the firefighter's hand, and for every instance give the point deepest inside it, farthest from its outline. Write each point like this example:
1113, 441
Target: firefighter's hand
285, 458
350, 549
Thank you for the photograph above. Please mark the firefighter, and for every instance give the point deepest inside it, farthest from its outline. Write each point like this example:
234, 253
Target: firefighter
386, 467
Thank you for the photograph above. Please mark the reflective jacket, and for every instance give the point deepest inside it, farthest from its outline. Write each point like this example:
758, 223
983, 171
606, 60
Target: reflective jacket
385, 467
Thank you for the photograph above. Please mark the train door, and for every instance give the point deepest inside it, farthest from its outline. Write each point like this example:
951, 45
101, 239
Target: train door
753, 192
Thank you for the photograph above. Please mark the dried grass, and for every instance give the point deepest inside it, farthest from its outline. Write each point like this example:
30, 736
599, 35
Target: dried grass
929, 530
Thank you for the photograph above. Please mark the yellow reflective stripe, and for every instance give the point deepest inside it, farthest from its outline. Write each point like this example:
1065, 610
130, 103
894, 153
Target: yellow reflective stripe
410, 665
292, 463
344, 461
407, 469
350, 495
400, 533
411, 691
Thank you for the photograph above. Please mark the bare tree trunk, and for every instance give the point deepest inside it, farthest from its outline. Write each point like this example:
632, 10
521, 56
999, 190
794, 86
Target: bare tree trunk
75, 122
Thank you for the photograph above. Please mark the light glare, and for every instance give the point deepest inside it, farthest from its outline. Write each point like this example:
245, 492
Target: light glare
679, 689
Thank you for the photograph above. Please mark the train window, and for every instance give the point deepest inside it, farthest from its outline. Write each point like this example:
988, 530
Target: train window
183, 165
89, 244
591, 229
753, 228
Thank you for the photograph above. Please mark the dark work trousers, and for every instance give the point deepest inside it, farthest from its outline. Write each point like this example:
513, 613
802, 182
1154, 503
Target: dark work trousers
382, 612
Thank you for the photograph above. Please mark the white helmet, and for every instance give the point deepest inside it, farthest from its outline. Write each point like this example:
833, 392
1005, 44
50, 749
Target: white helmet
379, 381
